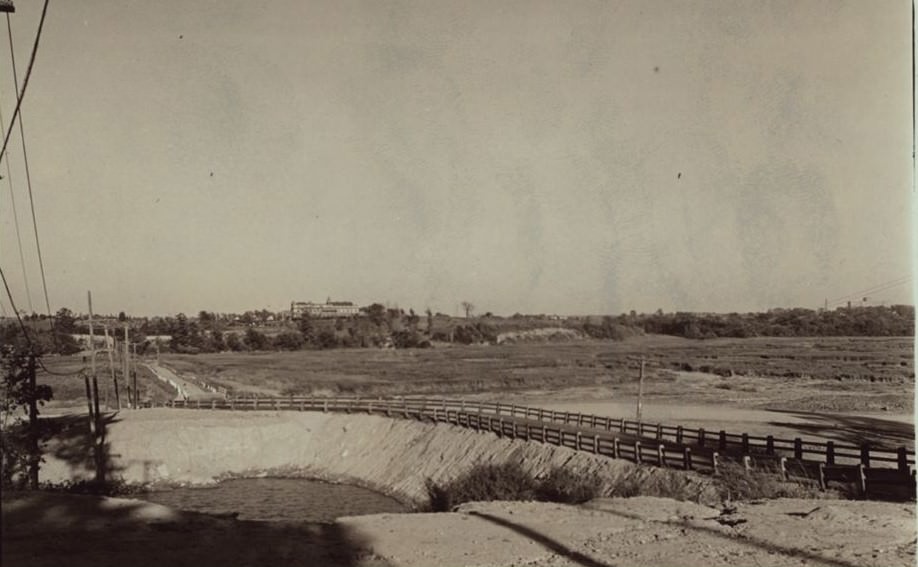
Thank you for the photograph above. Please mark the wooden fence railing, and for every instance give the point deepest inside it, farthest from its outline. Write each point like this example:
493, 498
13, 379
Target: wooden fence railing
876, 472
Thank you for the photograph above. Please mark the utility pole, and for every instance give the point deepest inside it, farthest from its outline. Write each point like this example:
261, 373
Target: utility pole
134, 376
93, 407
126, 359
34, 456
640, 402
110, 343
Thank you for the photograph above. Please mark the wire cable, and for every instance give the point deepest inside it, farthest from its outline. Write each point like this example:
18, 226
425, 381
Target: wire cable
9, 296
874, 289
9, 178
25, 157
25, 82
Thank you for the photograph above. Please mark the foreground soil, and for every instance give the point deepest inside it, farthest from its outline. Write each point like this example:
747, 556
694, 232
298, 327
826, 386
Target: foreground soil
53, 529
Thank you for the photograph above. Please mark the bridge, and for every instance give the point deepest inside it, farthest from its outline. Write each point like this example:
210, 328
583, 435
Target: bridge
876, 472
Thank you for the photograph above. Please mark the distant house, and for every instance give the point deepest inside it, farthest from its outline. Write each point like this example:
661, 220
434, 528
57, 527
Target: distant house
328, 310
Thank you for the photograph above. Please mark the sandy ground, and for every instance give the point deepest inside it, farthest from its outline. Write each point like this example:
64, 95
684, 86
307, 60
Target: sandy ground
42, 530
397, 456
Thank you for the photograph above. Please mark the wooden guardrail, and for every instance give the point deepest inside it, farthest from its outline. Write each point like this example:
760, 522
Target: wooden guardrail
876, 472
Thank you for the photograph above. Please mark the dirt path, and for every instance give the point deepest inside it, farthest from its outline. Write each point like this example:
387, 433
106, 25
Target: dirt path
187, 389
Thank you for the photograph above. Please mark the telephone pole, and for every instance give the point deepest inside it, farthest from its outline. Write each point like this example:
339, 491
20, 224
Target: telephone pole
93, 407
640, 401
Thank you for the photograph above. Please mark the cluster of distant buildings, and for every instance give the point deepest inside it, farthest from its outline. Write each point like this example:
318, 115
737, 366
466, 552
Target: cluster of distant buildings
328, 310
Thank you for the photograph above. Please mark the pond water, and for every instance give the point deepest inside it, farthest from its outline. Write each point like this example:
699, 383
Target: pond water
278, 499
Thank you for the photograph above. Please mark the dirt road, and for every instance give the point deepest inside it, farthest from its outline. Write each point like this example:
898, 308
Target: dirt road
187, 389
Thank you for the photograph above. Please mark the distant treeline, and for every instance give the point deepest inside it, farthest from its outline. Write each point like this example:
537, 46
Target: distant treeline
386, 327
880, 321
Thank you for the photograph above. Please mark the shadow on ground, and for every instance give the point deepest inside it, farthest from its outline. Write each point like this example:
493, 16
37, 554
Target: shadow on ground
879, 433
805, 557
543, 540
43, 529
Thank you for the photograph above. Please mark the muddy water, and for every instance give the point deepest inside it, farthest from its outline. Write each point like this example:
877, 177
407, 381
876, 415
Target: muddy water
278, 499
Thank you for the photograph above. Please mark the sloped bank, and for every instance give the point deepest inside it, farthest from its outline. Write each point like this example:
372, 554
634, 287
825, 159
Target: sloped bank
394, 456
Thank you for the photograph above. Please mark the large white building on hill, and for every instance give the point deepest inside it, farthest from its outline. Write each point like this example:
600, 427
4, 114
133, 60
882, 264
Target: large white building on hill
328, 310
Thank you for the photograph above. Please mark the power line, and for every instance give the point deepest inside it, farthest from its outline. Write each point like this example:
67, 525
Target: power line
9, 295
25, 82
9, 178
875, 289
25, 157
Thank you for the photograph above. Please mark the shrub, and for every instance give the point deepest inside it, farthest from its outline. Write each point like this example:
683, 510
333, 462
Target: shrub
509, 481
562, 485
482, 483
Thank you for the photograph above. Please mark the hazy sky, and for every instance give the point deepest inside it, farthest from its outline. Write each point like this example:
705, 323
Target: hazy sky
524, 156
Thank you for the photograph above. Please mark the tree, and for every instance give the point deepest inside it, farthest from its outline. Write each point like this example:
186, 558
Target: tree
377, 313
429, 321
65, 322
307, 329
122, 317
233, 343
255, 340
468, 308
20, 443
289, 340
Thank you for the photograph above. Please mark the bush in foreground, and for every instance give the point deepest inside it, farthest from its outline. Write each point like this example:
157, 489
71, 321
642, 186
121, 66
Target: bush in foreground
510, 482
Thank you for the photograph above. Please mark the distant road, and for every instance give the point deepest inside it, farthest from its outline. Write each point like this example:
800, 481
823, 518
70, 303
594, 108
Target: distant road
187, 389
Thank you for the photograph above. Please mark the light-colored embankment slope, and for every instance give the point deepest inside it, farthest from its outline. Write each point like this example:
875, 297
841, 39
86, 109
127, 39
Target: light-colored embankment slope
395, 456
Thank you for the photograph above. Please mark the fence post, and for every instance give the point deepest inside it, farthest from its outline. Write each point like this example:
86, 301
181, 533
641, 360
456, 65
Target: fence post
661, 455
213, 404
255, 403
701, 437
687, 458
679, 434
745, 443
822, 476
865, 455
595, 444
544, 437
747, 463
861, 481
902, 457
232, 403
798, 448
722, 440
578, 441
830, 453
637, 452
498, 408
659, 431
325, 405
593, 421
770, 445
276, 405
714, 456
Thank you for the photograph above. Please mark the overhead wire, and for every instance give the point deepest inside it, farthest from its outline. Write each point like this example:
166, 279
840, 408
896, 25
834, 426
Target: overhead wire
875, 289
25, 83
25, 156
9, 178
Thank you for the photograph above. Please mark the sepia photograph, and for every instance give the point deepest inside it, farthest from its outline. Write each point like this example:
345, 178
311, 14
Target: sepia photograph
423, 283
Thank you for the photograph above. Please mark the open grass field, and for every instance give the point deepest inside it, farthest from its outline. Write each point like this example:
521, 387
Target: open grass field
829, 374
811, 374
